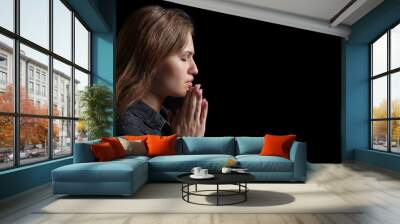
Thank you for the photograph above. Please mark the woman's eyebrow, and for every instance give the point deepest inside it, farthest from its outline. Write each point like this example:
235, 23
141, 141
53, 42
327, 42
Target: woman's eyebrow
188, 52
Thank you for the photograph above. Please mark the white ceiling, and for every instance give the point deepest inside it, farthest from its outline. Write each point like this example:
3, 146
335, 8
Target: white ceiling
314, 15
319, 9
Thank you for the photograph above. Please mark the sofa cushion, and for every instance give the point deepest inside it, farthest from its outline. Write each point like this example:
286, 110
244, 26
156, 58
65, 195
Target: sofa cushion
277, 145
116, 145
132, 158
103, 151
83, 152
206, 145
111, 171
161, 145
257, 163
133, 147
185, 163
249, 145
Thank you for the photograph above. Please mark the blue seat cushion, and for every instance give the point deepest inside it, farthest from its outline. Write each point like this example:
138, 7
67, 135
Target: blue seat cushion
249, 145
257, 163
184, 163
133, 158
206, 145
111, 171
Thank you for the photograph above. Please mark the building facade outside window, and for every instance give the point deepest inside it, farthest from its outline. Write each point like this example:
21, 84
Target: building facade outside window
39, 89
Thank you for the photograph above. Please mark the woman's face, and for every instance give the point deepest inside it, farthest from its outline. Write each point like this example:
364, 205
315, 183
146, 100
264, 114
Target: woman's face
177, 72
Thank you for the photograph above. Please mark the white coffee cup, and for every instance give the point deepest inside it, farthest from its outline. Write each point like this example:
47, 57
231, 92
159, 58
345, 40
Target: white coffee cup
203, 172
226, 170
196, 170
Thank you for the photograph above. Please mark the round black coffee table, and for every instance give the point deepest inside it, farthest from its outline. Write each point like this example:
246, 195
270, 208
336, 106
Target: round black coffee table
239, 179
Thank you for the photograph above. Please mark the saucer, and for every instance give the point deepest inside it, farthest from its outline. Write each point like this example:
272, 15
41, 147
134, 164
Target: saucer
208, 176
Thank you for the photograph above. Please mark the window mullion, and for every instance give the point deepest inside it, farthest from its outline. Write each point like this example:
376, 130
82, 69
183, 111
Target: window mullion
371, 89
50, 81
73, 83
389, 106
16, 84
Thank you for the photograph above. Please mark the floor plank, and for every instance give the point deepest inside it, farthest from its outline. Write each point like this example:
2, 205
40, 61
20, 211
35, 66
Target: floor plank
377, 190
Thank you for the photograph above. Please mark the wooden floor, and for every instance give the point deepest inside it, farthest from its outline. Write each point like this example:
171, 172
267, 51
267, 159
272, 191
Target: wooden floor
354, 182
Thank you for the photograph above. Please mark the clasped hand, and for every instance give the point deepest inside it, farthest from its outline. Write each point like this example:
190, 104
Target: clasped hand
190, 119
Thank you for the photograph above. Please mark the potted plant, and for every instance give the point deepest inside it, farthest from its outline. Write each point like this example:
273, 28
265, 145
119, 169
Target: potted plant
96, 102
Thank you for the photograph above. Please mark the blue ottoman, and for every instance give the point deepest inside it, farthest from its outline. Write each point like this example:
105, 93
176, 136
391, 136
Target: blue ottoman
118, 177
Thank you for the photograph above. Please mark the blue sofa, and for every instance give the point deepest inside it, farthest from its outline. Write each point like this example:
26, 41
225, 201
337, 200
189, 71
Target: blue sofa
126, 175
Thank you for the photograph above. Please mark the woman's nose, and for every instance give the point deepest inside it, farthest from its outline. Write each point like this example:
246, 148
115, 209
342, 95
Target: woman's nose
193, 69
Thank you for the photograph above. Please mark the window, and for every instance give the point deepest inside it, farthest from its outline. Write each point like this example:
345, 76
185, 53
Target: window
3, 60
6, 88
3, 71
3, 78
56, 128
385, 91
38, 73
30, 87
7, 14
38, 89
43, 90
30, 72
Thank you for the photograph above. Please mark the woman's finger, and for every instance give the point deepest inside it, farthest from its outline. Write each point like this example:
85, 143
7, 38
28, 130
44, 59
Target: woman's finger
198, 105
204, 112
192, 104
184, 108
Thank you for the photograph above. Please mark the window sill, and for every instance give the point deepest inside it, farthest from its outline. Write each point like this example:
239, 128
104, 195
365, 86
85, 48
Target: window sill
382, 159
26, 167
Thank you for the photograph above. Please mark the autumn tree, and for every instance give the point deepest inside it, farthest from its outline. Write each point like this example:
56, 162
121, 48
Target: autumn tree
380, 127
33, 130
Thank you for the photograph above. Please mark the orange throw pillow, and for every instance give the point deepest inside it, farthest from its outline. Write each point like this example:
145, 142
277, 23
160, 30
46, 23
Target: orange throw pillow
161, 145
116, 145
103, 151
277, 145
134, 137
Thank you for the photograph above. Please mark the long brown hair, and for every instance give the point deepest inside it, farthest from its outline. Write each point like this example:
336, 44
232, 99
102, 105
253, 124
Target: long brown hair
149, 35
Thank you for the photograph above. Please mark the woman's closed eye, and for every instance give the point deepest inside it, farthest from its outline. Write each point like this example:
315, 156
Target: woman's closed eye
185, 57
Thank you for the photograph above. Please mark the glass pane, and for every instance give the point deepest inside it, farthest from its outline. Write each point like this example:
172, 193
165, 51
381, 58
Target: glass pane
35, 21
62, 89
62, 141
81, 131
379, 55
395, 47
34, 97
379, 97
81, 81
379, 135
62, 29
395, 94
395, 136
6, 142
7, 14
81, 45
6, 74
33, 139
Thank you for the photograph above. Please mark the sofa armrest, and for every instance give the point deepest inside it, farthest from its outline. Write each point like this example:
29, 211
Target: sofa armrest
83, 152
298, 155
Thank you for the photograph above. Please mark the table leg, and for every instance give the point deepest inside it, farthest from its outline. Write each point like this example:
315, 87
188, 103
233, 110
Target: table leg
196, 188
188, 192
245, 193
217, 194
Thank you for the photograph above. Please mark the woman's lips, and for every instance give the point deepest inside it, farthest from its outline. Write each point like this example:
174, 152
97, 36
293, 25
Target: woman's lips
190, 84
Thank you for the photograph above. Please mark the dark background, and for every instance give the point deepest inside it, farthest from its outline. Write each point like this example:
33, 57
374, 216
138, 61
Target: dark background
260, 78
